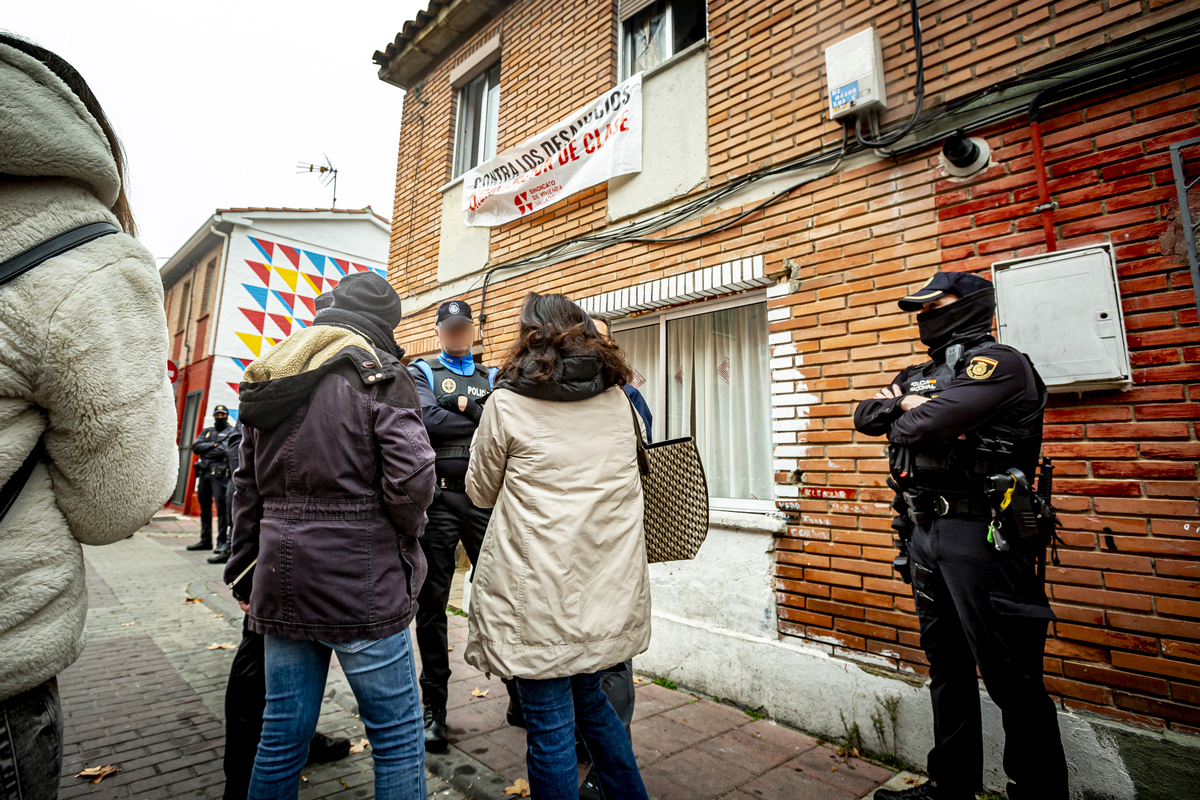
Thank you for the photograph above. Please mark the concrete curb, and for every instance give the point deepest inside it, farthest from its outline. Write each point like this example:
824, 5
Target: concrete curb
219, 605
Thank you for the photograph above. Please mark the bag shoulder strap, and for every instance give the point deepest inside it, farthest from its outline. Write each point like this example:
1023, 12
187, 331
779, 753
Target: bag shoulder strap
14, 268
642, 459
55, 246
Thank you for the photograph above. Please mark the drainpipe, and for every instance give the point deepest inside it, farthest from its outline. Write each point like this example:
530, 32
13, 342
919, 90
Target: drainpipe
220, 288
1045, 205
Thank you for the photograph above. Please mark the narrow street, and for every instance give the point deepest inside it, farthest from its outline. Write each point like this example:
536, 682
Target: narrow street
147, 698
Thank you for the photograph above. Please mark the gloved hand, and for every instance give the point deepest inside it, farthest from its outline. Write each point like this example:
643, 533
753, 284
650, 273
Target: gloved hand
463, 405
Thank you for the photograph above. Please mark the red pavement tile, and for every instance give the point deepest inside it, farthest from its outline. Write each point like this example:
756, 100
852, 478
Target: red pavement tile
472, 720
853, 776
660, 788
707, 717
786, 783
654, 699
701, 773
664, 736
747, 751
489, 753
780, 736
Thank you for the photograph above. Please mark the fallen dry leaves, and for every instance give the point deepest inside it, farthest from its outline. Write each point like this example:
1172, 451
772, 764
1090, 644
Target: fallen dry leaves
359, 746
126, 624
476, 693
222, 646
98, 774
519, 789
189, 601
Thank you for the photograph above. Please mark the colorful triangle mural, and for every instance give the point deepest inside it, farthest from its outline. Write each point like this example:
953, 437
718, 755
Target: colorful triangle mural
263, 271
314, 281
241, 362
284, 323
359, 267
259, 293
311, 304
317, 260
253, 342
293, 255
342, 264
264, 247
256, 318
289, 276
232, 385
288, 300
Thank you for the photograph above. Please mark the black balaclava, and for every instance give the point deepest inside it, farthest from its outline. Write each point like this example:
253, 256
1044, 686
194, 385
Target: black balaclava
220, 423
368, 305
963, 322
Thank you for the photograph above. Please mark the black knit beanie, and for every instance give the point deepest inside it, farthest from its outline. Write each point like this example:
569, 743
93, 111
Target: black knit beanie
367, 304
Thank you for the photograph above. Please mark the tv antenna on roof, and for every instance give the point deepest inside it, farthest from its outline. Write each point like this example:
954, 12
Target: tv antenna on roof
328, 174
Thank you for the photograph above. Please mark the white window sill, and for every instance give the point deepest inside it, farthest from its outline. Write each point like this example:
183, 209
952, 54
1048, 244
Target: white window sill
765, 519
452, 184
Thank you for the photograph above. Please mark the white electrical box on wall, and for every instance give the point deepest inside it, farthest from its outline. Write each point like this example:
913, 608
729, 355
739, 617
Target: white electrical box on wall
1064, 310
854, 73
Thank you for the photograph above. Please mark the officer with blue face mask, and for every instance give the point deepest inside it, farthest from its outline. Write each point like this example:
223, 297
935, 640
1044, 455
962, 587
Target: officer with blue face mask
451, 388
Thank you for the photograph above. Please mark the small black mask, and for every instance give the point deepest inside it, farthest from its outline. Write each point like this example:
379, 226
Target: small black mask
968, 319
220, 423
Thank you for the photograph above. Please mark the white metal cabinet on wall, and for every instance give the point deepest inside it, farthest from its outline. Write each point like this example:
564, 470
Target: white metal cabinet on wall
1064, 310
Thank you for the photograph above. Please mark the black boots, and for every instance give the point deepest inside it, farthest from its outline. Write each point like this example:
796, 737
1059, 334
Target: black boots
221, 555
324, 750
436, 740
203, 544
926, 791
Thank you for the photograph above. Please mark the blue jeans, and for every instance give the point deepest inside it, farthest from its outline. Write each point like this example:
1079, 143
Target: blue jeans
553, 710
384, 679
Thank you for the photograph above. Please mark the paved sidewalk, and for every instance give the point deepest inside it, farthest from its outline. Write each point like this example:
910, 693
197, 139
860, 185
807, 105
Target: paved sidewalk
687, 747
148, 698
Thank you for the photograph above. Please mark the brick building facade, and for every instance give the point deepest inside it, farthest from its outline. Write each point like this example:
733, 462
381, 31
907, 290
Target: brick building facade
816, 274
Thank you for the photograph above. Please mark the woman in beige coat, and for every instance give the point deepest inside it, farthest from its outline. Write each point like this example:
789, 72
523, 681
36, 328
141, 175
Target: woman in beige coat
561, 589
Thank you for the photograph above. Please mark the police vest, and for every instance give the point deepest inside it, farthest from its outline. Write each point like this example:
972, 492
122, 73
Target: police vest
445, 382
960, 467
215, 461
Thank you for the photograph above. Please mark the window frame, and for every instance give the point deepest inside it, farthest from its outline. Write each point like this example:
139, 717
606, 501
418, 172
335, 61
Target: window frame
625, 50
463, 93
659, 409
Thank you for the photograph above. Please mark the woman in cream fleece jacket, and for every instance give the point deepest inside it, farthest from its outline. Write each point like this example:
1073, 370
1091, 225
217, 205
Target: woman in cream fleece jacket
83, 352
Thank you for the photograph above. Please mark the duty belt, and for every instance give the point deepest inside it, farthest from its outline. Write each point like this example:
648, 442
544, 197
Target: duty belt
922, 507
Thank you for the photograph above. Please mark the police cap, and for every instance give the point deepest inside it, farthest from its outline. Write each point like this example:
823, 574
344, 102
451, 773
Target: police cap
959, 284
454, 312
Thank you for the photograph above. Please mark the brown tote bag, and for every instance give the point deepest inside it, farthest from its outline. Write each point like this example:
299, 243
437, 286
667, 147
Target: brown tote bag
676, 497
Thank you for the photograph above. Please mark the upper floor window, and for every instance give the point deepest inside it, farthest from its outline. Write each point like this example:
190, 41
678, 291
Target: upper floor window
654, 30
478, 114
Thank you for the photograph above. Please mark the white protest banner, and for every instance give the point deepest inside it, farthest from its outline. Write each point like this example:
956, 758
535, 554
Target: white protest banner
600, 141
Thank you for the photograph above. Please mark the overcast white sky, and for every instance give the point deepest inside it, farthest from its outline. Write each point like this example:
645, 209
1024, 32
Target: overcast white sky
217, 101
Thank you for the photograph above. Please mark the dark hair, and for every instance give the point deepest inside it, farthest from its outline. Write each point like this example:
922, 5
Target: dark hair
552, 326
78, 85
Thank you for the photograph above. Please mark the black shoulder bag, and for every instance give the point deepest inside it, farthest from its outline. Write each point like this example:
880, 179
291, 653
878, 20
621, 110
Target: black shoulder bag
14, 268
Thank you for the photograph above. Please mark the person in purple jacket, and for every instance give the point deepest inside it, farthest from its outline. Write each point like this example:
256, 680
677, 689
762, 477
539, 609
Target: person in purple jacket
336, 473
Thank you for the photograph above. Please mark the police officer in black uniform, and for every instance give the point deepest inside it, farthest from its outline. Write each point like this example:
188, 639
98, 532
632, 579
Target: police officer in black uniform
956, 424
212, 479
450, 388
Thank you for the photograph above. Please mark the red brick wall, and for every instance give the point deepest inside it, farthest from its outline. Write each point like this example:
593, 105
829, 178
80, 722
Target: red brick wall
1127, 644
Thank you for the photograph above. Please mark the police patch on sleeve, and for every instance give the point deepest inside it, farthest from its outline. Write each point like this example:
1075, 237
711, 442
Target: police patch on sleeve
448, 385
981, 367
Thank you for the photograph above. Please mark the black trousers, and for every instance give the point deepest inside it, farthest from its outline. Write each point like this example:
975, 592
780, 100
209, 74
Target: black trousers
208, 491
980, 607
31, 744
452, 518
245, 701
